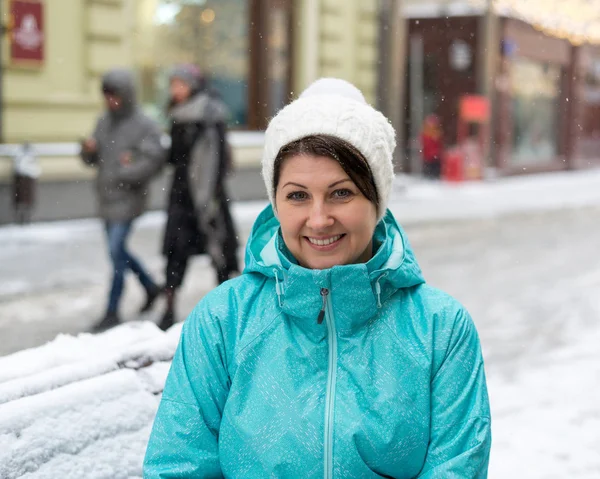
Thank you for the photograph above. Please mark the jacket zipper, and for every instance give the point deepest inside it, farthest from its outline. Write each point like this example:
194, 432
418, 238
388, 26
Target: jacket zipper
327, 313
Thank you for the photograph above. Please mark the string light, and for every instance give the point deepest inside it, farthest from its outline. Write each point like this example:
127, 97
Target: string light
575, 20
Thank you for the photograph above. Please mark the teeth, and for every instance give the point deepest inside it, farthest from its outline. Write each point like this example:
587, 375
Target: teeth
325, 242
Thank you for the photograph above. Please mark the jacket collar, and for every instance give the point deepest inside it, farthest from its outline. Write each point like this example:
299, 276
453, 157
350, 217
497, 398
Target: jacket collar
356, 292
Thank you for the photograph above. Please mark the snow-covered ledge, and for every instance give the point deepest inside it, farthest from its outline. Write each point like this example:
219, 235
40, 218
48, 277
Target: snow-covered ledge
83, 406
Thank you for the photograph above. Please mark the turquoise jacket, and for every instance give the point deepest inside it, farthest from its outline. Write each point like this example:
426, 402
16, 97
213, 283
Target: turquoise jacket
358, 371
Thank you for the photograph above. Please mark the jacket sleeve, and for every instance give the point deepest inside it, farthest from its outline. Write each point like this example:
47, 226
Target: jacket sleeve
184, 439
148, 158
460, 436
91, 159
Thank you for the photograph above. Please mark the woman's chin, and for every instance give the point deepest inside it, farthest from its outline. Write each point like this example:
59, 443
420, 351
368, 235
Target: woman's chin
324, 262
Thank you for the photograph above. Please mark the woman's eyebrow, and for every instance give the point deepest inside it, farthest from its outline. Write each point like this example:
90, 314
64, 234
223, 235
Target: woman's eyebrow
338, 182
295, 184
291, 183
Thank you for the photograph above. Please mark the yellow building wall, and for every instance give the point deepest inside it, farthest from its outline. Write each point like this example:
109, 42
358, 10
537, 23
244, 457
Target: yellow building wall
337, 38
59, 100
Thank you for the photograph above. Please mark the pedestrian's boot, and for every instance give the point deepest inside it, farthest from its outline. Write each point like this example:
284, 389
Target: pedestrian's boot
167, 320
110, 320
152, 294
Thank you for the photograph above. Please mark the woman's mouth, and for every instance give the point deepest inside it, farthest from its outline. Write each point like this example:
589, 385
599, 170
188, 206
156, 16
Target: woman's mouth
324, 243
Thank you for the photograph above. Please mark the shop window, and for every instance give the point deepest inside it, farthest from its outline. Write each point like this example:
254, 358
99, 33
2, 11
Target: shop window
227, 39
535, 113
591, 100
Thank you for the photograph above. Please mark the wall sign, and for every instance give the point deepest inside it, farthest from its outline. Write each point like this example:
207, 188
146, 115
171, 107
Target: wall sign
27, 33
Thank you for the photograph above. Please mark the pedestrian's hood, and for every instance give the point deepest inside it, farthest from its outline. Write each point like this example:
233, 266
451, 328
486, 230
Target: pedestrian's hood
365, 286
121, 82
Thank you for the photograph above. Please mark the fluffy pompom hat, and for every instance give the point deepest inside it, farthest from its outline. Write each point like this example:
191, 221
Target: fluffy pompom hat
334, 107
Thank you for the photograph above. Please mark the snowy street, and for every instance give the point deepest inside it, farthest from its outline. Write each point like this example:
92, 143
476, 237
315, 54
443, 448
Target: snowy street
523, 259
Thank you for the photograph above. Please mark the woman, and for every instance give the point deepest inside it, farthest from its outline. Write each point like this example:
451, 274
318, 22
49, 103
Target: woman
199, 220
330, 356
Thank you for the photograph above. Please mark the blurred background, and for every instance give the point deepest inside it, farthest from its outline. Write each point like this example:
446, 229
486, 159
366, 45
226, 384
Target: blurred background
535, 62
503, 94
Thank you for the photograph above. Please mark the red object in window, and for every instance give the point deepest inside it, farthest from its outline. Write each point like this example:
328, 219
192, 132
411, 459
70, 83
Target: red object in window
474, 109
453, 165
27, 34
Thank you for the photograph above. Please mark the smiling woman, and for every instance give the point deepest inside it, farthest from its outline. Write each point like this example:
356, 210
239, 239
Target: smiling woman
327, 202
329, 356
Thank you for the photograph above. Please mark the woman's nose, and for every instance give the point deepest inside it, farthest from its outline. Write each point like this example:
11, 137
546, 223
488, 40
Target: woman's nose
319, 217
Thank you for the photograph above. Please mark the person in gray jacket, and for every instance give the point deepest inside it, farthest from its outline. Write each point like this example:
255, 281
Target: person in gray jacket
127, 152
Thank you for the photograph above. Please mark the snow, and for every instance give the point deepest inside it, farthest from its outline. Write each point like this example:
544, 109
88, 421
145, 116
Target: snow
43, 434
83, 406
546, 420
67, 349
422, 201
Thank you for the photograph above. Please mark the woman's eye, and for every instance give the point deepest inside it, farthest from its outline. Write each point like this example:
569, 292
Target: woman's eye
297, 196
342, 194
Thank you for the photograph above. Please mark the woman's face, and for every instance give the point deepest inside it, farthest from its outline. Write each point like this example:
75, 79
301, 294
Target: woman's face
325, 219
180, 90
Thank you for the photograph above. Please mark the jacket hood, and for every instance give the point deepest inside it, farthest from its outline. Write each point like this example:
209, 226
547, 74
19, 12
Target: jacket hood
201, 107
121, 82
357, 290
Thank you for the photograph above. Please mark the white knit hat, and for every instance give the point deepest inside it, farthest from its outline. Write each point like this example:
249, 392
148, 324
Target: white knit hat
331, 106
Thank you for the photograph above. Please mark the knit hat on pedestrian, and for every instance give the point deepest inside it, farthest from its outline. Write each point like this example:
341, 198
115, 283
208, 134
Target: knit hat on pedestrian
189, 73
334, 107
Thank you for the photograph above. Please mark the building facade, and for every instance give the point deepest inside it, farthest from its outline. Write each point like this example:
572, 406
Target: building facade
543, 89
258, 54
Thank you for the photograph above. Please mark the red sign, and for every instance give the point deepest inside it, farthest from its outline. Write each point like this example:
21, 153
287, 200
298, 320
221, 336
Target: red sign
27, 33
474, 109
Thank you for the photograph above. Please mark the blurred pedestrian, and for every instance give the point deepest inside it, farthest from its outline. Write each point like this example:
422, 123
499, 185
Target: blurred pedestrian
126, 150
26, 172
432, 144
330, 356
198, 216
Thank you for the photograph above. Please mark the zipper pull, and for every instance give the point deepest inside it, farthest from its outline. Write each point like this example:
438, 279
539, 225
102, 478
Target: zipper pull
324, 293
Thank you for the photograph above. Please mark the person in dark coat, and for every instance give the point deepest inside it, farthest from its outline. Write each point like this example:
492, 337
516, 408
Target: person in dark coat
198, 216
127, 152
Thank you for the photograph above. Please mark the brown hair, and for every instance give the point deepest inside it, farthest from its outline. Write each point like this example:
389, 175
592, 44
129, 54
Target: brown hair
350, 159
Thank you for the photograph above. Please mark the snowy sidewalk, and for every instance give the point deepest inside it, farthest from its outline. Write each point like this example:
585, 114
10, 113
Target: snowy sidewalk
424, 202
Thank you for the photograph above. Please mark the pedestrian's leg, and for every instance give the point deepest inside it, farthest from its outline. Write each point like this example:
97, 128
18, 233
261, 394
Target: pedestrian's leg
152, 290
117, 235
438, 168
136, 266
426, 169
177, 263
20, 214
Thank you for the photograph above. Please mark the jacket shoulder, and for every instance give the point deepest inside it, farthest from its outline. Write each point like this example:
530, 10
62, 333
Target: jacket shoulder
241, 308
435, 301
424, 319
